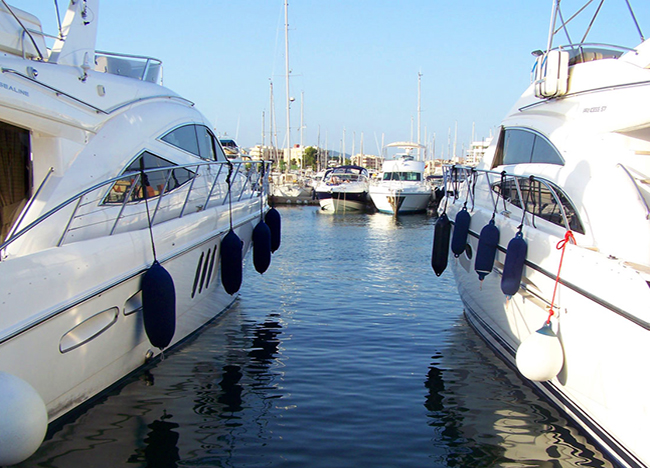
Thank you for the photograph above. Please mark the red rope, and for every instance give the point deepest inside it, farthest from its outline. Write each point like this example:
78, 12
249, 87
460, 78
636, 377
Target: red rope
568, 237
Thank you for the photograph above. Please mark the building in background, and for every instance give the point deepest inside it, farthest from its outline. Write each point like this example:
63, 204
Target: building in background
266, 153
294, 155
476, 151
368, 161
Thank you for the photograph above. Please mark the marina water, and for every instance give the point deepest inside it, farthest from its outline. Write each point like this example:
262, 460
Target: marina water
347, 352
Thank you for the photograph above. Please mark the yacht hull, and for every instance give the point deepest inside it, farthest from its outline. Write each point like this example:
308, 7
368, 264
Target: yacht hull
342, 201
83, 328
599, 386
400, 201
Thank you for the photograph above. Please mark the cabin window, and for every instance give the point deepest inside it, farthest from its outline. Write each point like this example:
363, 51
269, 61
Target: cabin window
156, 180
408, 176
206, 143
197, 140
521, 146
184, 138
539, 201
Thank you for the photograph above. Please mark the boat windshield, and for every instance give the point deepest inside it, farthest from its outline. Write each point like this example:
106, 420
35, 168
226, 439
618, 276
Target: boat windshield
408, 176
345, 174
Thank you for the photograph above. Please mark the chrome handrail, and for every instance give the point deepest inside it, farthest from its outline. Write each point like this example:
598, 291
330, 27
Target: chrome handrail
134, 178
468, 170
583, 45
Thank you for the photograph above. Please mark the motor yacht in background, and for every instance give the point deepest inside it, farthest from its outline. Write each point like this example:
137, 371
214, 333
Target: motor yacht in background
106, 176
550, 245
402, 187
343, 188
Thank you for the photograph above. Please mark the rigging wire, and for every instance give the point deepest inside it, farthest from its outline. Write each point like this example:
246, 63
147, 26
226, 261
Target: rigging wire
592, 20
636, 23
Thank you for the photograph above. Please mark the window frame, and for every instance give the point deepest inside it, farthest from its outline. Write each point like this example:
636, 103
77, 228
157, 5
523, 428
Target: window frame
499, 155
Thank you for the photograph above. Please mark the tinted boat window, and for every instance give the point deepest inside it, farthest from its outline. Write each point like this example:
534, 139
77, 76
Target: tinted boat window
156, 180
184, 138
544, 152
206, 143
410, 176
196, 139
539, 201
220, 155
520, 146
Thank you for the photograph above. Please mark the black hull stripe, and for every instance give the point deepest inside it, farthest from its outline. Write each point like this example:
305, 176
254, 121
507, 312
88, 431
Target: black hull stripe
345, 196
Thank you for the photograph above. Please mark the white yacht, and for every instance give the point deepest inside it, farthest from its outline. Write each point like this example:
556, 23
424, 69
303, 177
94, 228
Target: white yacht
550, 244
343, 188
105, 177
402, 187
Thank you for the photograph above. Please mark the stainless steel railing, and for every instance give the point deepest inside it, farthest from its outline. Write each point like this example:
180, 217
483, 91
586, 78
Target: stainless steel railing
461, 179
139, 67
92, 213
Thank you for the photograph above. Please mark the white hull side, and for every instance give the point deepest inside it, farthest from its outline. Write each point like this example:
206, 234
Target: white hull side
603, 329
399, 201
342, 201
331, 204
84, 282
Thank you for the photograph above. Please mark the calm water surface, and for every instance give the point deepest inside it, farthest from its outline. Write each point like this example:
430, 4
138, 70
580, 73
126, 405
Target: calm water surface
348, 352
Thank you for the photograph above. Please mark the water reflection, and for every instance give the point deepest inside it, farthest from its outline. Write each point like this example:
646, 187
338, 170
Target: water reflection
384, 222
231, 391
193, 406
436, 386
507, 430
161, 450
347, 353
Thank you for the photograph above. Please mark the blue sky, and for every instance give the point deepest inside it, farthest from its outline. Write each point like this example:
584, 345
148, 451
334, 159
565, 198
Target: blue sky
356, 62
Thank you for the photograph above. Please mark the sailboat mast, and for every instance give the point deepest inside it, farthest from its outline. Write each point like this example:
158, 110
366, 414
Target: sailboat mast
286, 66
302, 114
273, 136
455, 138
419, 110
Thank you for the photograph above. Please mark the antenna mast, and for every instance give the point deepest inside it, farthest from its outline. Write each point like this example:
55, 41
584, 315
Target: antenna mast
286, 63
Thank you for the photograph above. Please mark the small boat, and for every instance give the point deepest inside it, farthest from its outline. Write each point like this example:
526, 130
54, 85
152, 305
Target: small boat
291, 188
230, 148
123, 223
402, 187
343, 188
548, 238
